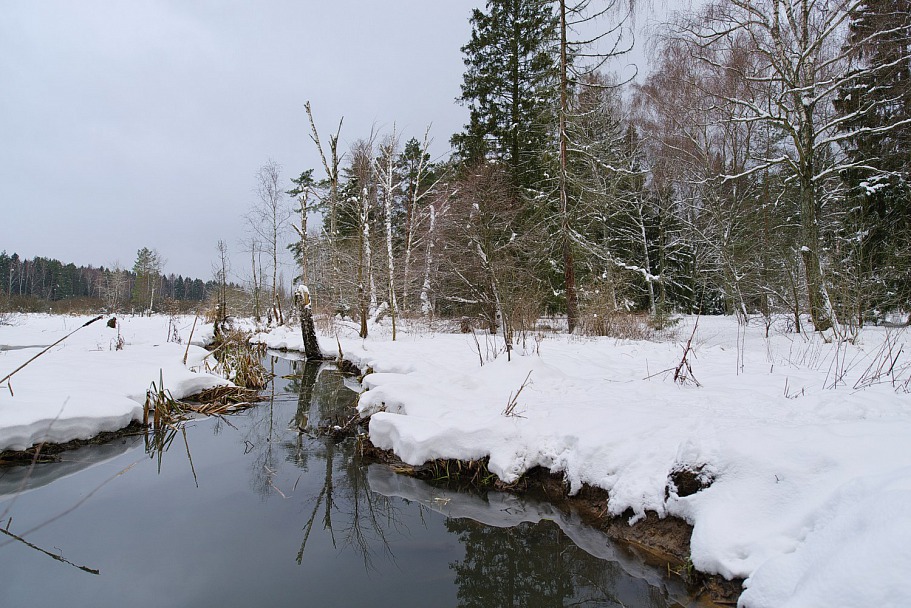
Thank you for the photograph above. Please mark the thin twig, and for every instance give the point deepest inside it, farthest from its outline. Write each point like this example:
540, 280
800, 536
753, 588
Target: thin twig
86, 324
190, 456
514, 399
478, 346
186, 352
76, 505
679, 376
49, 554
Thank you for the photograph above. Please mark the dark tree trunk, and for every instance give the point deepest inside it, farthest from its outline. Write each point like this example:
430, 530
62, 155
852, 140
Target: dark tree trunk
312, 350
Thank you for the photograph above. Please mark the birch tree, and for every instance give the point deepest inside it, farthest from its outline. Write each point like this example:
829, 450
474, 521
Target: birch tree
268, 219
220, 274
704, 151
385, 170
253, 246
331, 165
362, 191
436, 211
114, 287
420, 178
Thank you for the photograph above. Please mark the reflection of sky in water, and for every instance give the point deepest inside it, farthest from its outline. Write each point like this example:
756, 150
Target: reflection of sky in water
270, 497
23, 479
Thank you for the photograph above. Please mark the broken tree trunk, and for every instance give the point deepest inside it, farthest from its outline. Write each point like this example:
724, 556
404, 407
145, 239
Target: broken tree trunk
312, 350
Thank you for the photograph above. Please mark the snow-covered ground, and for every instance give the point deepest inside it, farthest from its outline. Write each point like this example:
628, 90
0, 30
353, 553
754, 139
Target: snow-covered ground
84, 385
808, 447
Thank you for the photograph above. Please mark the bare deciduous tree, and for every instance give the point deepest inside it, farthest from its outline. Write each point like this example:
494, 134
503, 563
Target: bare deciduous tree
801, 65
364, 182
331, 167
268, 219
220, 271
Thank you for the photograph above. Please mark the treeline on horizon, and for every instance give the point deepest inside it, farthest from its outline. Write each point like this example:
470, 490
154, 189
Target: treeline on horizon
41, 283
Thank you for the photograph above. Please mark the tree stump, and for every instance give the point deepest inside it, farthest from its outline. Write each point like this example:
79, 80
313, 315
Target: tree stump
312, 350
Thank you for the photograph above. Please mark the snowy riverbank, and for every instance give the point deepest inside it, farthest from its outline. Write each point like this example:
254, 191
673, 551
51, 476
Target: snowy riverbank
806, 443
85, 386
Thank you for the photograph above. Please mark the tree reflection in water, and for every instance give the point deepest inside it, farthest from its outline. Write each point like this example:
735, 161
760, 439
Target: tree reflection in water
320, 505
529, 564
262, 433
519, 566
345, 504
536, 564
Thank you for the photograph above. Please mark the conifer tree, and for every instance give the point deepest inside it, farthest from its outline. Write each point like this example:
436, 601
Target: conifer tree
147, 268
510, 86
876, 111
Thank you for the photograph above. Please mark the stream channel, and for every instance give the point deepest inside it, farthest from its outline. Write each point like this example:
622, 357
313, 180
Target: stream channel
270, 514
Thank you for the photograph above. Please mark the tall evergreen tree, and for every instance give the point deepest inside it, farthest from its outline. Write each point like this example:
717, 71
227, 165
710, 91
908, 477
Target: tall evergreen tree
876, 111
147, 268
511, 87
303, 192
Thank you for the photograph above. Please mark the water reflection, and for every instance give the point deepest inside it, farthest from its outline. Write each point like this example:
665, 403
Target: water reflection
514, 554
308, 521
353, 516
519, 566
522, 552
17, 480
535, 564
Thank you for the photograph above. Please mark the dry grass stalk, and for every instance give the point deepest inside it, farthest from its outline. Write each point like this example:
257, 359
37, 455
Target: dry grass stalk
684, 373
186, 351
472, 473
240, 361
227, 395
513, 401
167, 412
885, 366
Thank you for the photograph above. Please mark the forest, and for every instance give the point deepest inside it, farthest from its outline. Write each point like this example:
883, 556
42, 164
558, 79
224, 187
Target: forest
760, 167
40, 284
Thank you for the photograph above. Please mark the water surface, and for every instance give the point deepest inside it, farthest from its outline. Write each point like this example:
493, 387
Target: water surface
272, 514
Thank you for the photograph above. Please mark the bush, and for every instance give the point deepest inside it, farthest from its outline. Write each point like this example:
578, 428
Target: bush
617, 324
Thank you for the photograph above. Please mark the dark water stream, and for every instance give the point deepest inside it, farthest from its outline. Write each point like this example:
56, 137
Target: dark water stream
276, 516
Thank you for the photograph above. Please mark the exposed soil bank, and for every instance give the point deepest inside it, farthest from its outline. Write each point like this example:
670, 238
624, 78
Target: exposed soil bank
214, 401
662, 542
50, 452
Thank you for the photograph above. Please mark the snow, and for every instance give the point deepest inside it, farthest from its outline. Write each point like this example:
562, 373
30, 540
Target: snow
84, 385
811, 475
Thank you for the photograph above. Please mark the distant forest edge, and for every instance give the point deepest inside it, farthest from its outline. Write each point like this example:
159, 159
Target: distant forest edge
42, 284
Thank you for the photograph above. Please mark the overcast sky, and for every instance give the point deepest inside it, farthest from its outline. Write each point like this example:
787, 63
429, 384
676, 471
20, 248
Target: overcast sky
141, 123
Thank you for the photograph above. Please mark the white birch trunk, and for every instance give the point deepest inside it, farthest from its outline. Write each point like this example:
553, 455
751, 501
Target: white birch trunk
426, 304
388, 176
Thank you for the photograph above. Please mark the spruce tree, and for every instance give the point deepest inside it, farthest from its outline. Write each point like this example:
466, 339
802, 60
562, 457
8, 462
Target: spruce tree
146, 269
876, 109
511, 88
